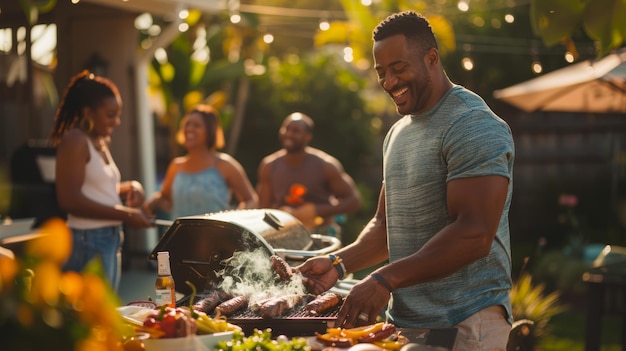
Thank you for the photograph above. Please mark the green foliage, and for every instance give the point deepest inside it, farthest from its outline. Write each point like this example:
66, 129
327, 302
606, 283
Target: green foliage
329, 90
555, 21
567, 332
558, 271
323, 87
530, 301
596, 217
32, 8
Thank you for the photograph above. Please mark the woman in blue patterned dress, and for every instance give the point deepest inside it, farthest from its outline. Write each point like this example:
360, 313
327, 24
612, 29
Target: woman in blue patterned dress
203, 180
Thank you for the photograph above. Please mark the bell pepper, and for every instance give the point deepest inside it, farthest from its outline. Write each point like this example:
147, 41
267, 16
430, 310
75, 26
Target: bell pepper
389, 345
334, 340
384, 332
358, 332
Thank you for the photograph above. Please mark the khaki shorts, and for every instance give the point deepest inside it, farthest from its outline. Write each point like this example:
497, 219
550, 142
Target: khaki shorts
485, 330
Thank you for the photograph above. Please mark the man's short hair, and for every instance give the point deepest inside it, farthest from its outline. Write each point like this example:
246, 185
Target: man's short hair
300, 117
411, 24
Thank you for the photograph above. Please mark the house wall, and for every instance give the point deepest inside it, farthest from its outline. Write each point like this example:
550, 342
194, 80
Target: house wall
90, 29
82, 31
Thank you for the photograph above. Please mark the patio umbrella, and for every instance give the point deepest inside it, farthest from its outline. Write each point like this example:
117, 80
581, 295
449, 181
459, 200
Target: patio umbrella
595, 86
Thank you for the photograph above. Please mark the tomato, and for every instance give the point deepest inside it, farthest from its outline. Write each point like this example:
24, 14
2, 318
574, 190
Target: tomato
168, 326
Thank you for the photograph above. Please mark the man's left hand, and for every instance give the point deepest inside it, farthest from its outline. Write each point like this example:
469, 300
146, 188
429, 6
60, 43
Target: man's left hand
366, 300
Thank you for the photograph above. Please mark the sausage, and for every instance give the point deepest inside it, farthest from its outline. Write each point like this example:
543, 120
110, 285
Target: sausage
232, 305
277, 306
280, 266
323, 303
208, 303
274, 307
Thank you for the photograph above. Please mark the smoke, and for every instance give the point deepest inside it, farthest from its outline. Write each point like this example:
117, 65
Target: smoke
249, 273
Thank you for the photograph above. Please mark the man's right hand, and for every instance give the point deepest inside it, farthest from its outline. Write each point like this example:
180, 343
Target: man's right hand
318, 274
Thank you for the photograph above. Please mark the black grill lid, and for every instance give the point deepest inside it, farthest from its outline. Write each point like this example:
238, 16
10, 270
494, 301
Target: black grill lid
198, 245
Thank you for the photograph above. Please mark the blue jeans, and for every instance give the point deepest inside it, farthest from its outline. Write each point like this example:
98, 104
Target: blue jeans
105, 243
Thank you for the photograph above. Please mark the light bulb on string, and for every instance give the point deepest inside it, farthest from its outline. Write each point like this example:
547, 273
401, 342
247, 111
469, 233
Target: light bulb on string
348, 54
235, 18
183, 14
268, 38
463, 5
535, 66
324, 25
569, 57
467, 63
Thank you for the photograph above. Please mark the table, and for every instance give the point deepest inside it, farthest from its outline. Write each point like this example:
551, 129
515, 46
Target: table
606, 294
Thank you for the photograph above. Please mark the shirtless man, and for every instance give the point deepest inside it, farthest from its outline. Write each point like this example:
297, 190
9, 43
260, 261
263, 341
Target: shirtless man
305, 181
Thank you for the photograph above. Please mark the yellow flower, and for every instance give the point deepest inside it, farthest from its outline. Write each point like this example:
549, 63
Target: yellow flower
42, 307
8, 271
55, 244
45, 284
71, 286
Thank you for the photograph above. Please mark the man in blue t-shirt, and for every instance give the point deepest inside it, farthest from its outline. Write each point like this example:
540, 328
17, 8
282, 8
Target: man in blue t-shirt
442, 217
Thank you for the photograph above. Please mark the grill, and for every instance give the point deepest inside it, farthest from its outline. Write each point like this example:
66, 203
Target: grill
200, 246
294, 323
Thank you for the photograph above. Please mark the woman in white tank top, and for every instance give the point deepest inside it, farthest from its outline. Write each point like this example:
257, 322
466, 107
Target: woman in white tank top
88, 183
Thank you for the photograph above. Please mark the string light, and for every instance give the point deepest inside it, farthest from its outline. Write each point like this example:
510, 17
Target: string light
268, 38
324, 25
569, 57
467, 63
463, 5
535, 66
160, 55
235, 18
348, 54
143, 21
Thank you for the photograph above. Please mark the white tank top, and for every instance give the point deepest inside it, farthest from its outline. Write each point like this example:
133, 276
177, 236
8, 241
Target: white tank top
102, 182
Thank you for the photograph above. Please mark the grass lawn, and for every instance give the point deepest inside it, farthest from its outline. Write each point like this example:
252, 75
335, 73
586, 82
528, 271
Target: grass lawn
568, 332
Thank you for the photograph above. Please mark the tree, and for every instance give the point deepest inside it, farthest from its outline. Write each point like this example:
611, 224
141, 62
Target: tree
556, 21
321, 85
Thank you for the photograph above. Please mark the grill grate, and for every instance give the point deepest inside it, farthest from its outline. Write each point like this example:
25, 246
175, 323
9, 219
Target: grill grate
295, 322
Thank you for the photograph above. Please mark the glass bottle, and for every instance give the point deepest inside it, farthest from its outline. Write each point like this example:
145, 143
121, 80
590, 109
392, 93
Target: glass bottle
164, 285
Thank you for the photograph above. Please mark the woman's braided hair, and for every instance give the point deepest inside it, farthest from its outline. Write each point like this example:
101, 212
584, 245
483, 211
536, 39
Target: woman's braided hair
84, 90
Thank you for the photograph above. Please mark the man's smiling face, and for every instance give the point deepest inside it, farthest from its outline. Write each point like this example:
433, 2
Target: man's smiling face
403, 73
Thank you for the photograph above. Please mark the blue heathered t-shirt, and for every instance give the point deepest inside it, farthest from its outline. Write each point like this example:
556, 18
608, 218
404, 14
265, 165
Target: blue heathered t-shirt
460, 137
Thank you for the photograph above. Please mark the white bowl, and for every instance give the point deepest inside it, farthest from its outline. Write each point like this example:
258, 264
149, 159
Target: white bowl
206, 342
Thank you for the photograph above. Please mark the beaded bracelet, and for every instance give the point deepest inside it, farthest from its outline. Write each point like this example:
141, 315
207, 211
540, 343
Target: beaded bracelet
338, 264
379, 278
